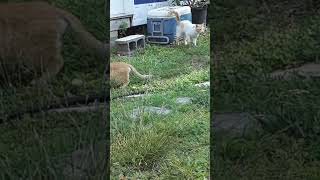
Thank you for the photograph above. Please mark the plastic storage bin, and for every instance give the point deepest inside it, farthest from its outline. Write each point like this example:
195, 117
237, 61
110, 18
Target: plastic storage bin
161, 25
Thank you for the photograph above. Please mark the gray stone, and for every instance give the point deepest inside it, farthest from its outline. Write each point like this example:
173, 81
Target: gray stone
204, 84
234, 124
307, 70
90, 108
77, 82
183, 100
137, 95
149, 109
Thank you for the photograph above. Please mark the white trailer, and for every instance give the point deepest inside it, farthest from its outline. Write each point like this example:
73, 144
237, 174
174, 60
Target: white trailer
130, 13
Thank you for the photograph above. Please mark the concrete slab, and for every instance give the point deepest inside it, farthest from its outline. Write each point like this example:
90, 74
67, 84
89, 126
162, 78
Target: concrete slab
124, 40
149, 109
307, 70
234, 124
183, 100
204, 84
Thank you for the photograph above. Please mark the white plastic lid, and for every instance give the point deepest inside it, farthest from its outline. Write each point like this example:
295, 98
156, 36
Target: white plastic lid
165, 11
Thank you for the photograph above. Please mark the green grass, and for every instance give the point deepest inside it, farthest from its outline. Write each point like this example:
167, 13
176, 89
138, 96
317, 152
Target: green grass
172, 146
288, 147
38, 147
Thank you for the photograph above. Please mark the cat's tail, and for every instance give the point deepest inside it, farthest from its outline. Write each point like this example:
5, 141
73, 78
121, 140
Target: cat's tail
177, 16
138, 74
86, 39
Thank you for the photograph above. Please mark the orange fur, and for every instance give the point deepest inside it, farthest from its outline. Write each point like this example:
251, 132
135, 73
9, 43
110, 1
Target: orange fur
31, 34
120, 72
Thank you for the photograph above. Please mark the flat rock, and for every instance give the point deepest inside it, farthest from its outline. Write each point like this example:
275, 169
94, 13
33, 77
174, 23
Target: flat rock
77, 82
149, 109
234, 124
78, 109
183, 100
136, 95
307, 70
204, 84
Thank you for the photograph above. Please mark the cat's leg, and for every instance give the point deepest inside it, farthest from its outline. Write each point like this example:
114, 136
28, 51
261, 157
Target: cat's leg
185, 40
50, 69
124, 85
49, 62
178, 41
178, 36
126, 79
194, 41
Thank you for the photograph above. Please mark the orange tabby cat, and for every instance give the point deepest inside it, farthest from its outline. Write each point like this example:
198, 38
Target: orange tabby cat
120, 72
31, 35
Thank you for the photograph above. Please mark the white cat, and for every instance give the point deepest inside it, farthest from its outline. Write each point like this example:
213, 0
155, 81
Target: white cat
187, 31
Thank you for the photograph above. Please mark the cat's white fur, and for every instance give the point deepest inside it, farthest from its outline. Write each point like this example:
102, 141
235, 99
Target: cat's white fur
187, 31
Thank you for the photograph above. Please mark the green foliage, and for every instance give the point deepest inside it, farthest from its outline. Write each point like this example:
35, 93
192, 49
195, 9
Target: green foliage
123, 25
37, 147
253, 39
173, 146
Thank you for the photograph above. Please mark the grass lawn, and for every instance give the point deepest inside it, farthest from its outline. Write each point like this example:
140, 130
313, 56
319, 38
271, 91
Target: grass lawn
266, 40
172, 146
37, 147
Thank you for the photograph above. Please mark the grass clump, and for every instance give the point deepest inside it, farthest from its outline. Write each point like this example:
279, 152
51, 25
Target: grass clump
290, 107
171, 146
39, 146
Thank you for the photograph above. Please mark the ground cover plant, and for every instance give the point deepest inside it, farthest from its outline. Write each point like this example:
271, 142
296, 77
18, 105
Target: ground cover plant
171, 146
271, 35
38, 146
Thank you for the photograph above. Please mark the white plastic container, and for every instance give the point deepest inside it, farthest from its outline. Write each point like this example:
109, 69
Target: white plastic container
164, 11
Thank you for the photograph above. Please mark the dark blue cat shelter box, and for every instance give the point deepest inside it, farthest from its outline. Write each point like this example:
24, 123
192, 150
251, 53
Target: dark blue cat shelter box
161, 25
